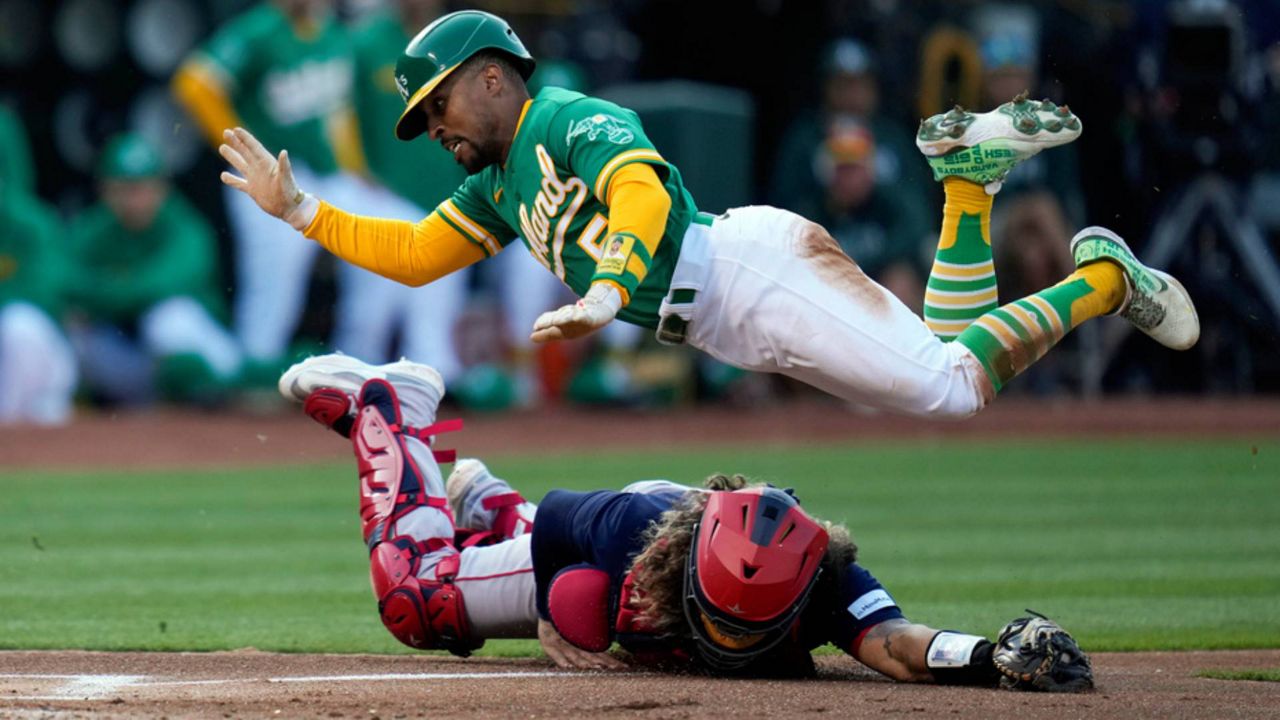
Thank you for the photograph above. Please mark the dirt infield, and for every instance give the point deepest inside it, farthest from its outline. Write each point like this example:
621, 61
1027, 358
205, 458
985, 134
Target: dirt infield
176, 439
254, 684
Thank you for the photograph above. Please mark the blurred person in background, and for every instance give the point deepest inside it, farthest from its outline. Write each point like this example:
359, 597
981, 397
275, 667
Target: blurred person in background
37, 364
850, 88
404, 180
16, 176
875, 225
1202, 141
285, 69
142, 282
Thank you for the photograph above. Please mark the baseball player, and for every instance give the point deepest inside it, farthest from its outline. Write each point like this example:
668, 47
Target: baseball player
142, 280
735, 579
756, 287
286, 69
38, 372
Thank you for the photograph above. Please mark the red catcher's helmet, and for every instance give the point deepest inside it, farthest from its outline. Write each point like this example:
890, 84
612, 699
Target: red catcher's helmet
752, 566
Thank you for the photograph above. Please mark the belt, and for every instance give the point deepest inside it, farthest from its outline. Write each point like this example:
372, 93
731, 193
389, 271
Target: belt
704, 218
677, 308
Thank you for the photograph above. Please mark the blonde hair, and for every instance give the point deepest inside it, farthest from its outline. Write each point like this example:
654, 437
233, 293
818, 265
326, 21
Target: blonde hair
659, 569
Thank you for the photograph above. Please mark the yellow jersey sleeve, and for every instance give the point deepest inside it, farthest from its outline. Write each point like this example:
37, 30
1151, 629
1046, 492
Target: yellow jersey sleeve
638, 208
409, 253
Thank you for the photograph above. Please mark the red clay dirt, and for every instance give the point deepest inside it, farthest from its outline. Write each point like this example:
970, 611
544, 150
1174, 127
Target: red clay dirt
254, 684
175, 439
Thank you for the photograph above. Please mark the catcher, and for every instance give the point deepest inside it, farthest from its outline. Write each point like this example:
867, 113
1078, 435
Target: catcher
734, 579
756, 287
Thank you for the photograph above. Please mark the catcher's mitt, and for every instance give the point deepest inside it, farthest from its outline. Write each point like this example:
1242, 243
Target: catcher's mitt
1034, 653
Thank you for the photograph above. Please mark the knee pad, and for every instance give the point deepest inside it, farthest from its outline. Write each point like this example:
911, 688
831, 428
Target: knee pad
390, 483
421, 614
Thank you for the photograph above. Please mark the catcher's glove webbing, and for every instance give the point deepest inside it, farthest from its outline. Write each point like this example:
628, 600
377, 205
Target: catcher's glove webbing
1035, 653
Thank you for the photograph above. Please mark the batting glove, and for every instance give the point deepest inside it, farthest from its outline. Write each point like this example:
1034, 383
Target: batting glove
266, 178
592, 312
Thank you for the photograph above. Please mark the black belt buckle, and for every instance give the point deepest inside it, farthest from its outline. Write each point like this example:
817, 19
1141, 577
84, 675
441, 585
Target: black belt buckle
673, 330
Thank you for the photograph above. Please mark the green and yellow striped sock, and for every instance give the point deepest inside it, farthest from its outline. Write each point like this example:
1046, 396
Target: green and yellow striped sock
962, 284
1009, 339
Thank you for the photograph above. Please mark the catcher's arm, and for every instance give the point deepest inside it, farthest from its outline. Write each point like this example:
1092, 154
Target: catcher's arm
409, 253
1031, 653
897, 648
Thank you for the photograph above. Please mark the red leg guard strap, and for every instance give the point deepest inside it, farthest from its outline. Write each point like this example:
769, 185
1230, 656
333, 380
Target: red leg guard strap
426, 434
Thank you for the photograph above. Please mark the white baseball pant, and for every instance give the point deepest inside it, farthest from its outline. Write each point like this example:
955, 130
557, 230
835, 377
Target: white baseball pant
772, 292
37, 367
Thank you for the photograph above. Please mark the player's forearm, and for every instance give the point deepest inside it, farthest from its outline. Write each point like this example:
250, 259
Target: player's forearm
638, 208
910, 652
897, 648
197, 89
409, 253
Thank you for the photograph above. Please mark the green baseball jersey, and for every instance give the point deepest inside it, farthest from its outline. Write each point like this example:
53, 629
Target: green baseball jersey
117, 273
551, 194
31, 267
15, 155
422, 172
285, 87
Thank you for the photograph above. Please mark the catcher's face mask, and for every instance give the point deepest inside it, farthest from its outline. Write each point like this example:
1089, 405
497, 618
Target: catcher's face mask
751, 568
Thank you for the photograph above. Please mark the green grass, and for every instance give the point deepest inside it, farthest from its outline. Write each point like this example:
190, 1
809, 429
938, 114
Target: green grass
1268, 675
1139, 544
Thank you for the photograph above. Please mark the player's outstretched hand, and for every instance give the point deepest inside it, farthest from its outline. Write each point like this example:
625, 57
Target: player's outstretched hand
266, 178
567, 655
592, 312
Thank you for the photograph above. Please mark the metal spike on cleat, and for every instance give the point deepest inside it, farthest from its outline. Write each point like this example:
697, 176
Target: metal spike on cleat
1021, 97
1053, 125
1026, 124
1062, 111
1046, 105
1072, 123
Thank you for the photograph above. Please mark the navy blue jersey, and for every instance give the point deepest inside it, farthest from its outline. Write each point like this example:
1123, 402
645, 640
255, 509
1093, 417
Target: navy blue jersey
605, 530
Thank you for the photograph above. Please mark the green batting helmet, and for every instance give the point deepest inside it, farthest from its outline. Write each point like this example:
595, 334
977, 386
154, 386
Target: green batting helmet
440, 48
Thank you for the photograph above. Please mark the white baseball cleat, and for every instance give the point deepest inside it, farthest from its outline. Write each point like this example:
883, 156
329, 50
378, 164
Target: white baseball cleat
1155, 302
419, 387
984, 147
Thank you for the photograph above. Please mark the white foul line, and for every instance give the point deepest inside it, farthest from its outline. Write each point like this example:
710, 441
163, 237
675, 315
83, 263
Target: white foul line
97, 687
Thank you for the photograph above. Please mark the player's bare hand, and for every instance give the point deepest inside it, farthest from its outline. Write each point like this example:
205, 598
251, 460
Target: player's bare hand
592, 312
266, 178
567, 655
